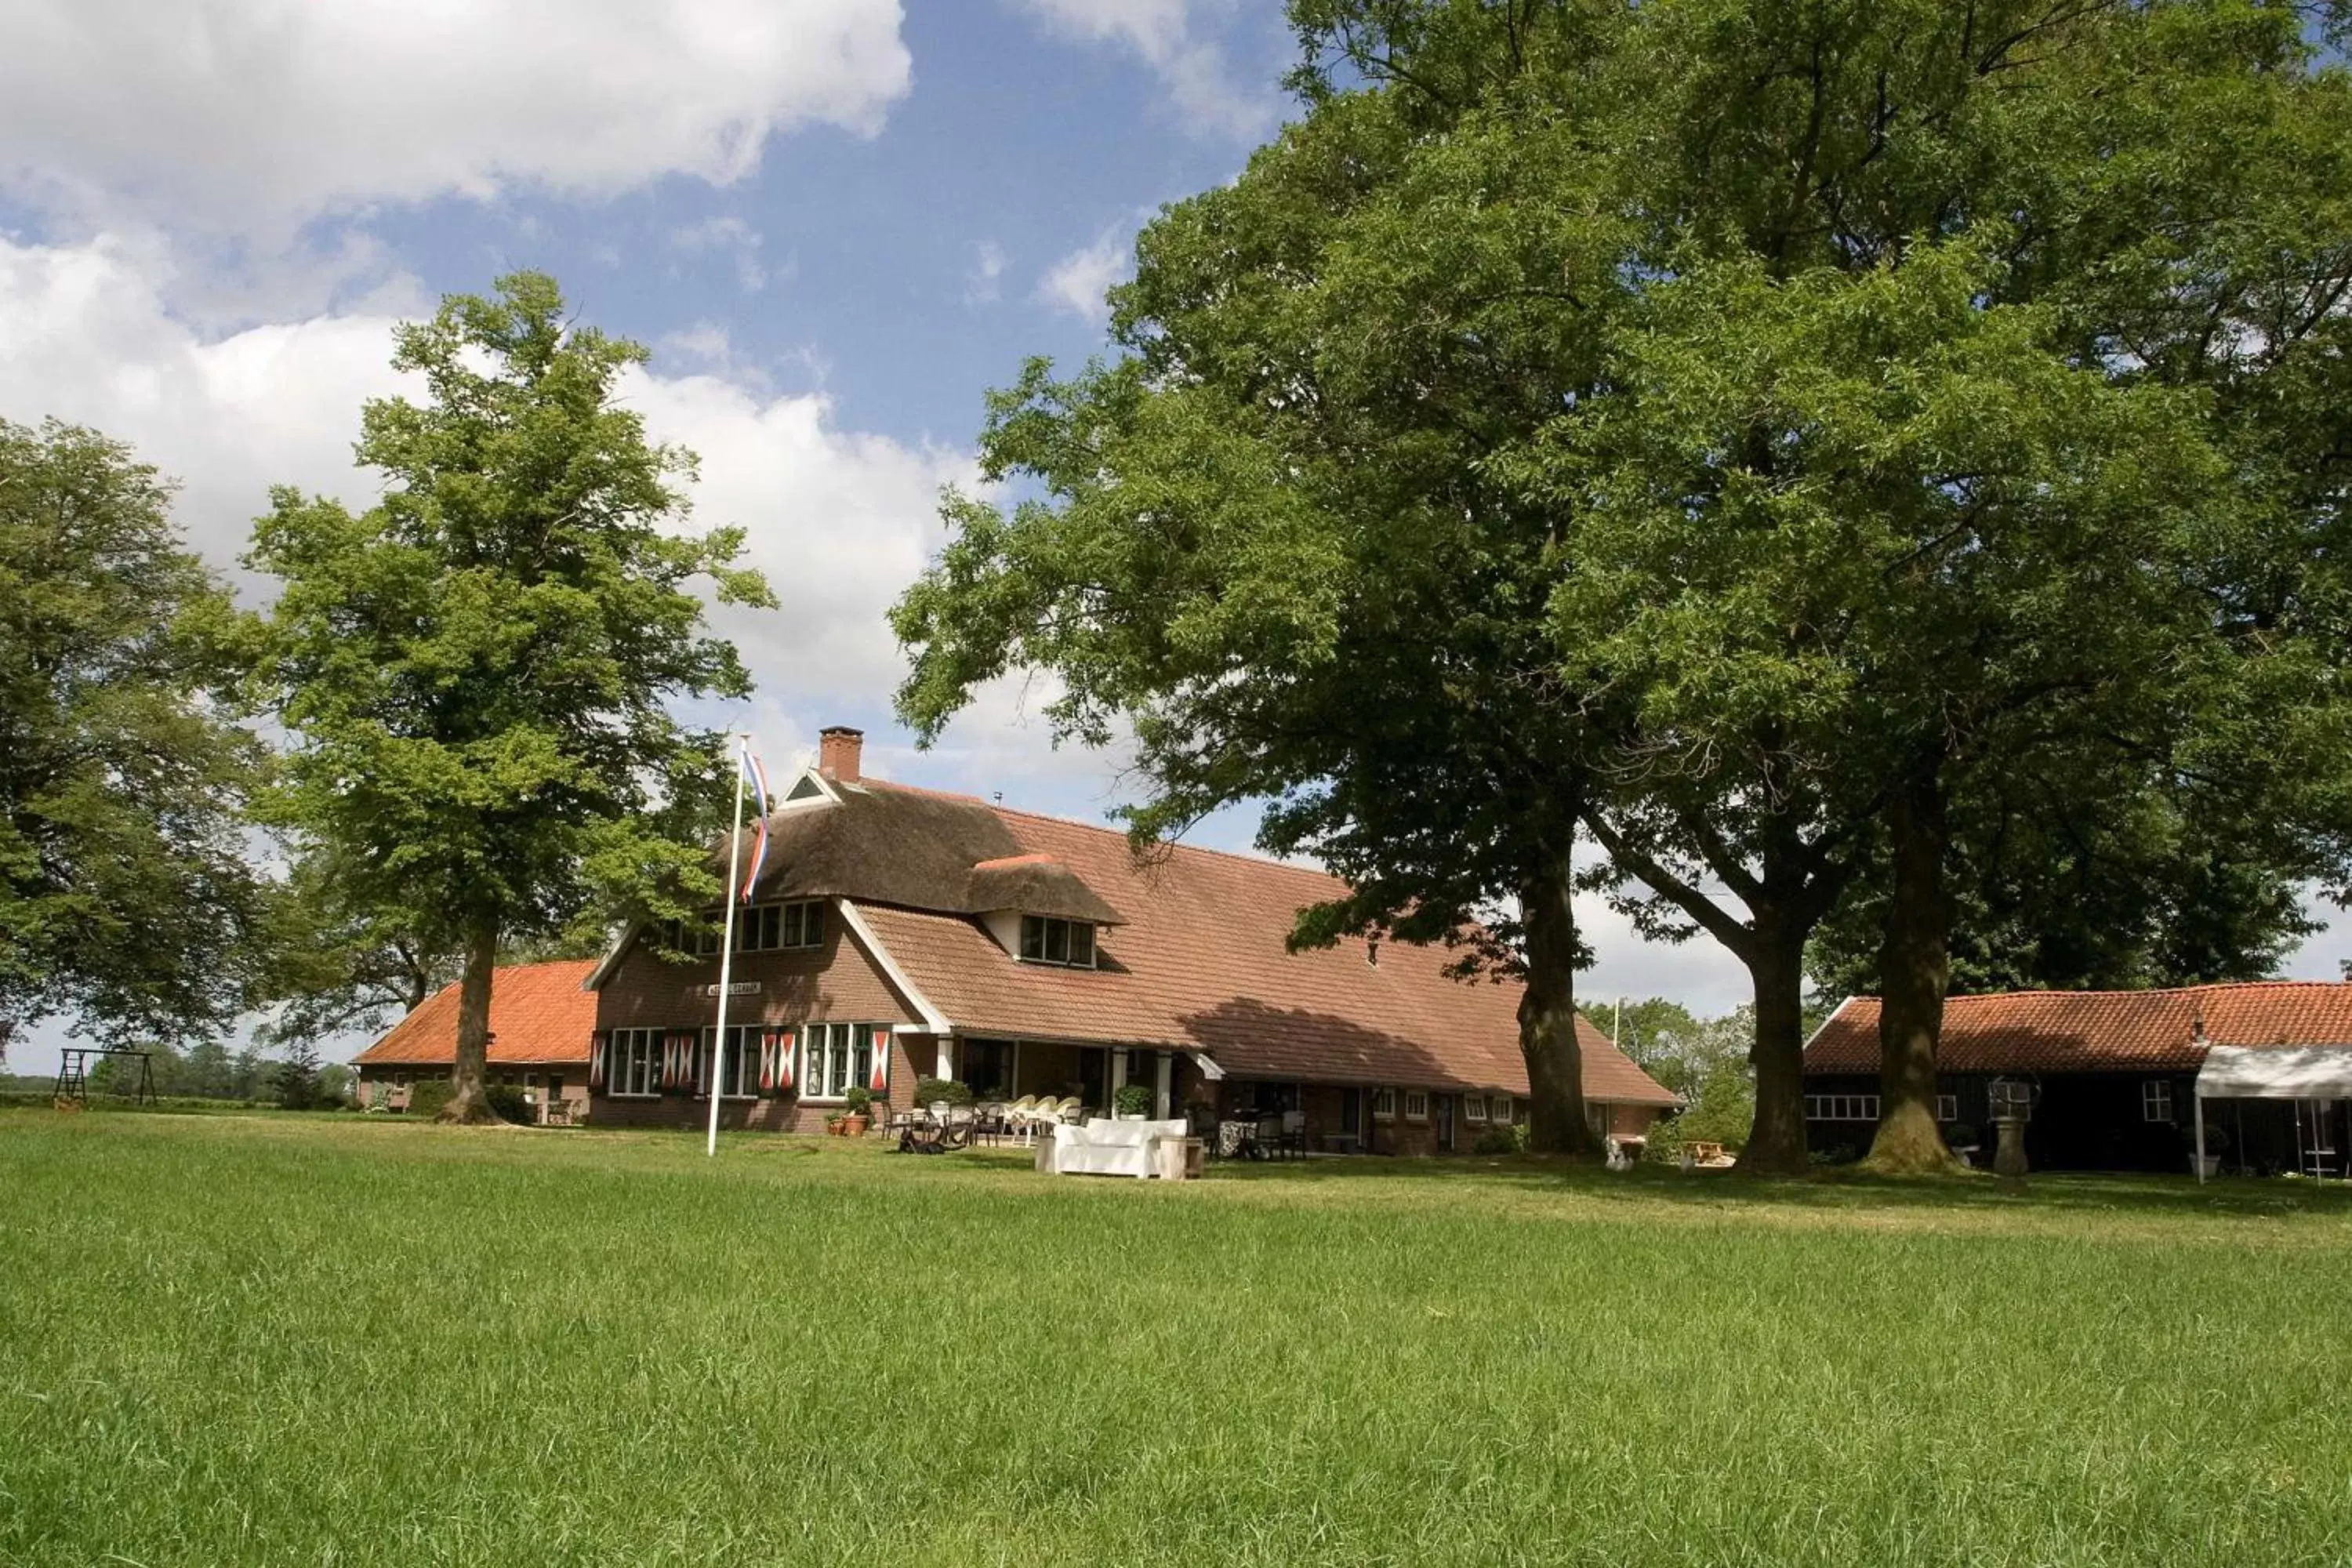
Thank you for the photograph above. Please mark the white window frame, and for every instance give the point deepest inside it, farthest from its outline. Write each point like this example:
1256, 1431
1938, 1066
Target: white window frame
1840, 1108
1503, 1110
1947, 1107
620, 1046
1474, 1108
1416, 1097
819, 1048
1384, 1105
2156, 1093
1045, 927
742, 1061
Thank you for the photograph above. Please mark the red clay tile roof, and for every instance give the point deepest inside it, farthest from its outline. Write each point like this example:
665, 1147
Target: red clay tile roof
1201, 964
537, 1014
2100, 1031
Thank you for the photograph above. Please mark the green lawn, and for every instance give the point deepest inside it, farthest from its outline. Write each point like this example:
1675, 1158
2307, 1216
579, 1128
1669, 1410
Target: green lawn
279, 1339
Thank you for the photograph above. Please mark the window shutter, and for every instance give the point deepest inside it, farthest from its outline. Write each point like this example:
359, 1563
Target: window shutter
596, 1063
768, 1062
787, 1045
881, 1080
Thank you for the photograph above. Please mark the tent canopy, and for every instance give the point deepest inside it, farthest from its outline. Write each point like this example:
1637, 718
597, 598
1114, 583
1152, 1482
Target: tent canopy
2276, 1072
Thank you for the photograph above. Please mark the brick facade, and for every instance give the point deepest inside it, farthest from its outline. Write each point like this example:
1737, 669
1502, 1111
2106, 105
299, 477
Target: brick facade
836, 981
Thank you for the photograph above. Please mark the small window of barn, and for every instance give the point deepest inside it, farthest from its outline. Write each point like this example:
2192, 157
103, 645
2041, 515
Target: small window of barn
1474, 1108
1384, 1105
1416, 1105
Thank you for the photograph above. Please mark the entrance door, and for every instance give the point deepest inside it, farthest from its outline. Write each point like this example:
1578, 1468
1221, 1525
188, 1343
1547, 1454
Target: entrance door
1445, 1108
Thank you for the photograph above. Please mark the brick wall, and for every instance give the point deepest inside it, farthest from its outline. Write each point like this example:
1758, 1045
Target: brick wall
835, 983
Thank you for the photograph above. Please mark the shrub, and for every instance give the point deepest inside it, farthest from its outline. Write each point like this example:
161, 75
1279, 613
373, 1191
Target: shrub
1133, 1099
428, 1098
507, 1104
931, 1090
1497, 1140
858, 1101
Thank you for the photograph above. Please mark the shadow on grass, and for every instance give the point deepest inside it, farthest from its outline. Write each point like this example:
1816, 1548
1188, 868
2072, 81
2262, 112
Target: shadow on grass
2056, 1191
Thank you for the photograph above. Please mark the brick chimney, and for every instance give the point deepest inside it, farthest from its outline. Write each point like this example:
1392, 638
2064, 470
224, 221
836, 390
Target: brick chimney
839, 748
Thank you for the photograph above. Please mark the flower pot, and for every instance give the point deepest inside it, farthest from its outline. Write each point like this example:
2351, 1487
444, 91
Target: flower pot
855, 1126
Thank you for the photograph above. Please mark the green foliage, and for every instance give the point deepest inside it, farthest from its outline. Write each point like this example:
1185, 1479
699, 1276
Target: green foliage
296, 1079
931, 1090
128, 897
474, 673
1131, 1100
427, 1096
509, 1104
858, 1101
1497, 1141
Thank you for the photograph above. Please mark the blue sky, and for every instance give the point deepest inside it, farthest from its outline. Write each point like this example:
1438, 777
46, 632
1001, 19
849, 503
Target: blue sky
835, 222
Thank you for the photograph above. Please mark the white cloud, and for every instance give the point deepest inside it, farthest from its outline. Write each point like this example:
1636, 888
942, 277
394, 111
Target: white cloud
1166, 36
841, 521
732, 235
1077, 282
226, 113
988, 262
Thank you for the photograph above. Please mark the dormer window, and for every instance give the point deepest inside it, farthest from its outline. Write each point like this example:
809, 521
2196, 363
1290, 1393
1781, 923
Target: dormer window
1044, 940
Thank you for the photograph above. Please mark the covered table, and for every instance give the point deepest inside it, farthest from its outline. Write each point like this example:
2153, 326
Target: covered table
2271, 1072
1111, 1148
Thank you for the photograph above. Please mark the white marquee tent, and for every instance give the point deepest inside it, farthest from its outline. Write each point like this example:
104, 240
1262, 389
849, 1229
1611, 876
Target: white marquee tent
2271, 1072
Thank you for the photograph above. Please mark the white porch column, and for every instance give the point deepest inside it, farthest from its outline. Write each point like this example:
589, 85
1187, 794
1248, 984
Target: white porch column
947, 1056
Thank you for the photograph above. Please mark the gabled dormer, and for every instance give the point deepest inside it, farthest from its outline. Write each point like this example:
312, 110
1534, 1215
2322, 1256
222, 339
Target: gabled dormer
1039, 910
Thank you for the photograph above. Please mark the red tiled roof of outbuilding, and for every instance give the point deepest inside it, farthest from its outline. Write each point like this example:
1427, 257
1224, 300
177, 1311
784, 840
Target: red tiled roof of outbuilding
2100, 1031
538, 1013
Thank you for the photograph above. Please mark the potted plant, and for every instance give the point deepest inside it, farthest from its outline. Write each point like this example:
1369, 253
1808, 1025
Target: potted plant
1132, 1102
855, 1108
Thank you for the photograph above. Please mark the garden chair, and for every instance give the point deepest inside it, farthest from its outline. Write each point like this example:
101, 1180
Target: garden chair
1068, 1111
1294, 1134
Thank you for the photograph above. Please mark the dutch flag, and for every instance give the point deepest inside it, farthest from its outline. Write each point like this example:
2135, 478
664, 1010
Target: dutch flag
758, 773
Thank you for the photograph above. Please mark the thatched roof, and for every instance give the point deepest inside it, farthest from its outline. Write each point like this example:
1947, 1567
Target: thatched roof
888, 844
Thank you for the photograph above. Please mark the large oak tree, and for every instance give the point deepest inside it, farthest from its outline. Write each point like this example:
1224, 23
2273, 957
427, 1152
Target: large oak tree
475, 673
127, 895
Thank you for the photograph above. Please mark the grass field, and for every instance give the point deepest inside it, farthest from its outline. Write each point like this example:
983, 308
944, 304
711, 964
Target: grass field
280, 1339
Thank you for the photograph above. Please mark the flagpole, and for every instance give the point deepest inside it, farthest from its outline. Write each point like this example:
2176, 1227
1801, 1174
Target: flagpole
726, 943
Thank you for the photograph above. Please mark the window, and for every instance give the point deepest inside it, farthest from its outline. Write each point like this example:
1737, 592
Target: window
632, 1062
1947, 1107
2010, 1096
1502, 1110
769, 928
835, 1057
1384, 1105
987, 1068
1840, 1108
1047, 941
1474, 1108
741, 1068
2156, 1100
691, 937
1416, 1105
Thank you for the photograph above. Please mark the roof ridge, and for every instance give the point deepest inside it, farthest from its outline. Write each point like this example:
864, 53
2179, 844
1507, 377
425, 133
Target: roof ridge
2202, 986
1173, 845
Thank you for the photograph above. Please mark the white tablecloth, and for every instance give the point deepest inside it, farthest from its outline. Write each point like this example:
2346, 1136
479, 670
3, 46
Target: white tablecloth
1110, 1147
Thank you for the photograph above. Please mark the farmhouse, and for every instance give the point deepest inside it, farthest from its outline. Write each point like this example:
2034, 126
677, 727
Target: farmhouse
898, 934
2108, 1078
541, 1019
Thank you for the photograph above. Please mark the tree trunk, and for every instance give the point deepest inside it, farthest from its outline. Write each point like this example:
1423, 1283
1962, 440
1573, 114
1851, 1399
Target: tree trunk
1555, 1118
1776, 1140
1914, 967
469, 1101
